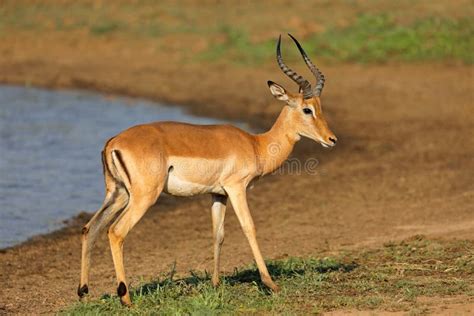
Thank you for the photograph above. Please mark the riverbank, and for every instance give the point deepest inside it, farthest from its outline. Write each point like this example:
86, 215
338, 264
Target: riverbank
403, 164
377, 185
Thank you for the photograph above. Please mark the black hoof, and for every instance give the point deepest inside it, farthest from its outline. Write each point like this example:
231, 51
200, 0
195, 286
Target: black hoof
122, 289
82, 290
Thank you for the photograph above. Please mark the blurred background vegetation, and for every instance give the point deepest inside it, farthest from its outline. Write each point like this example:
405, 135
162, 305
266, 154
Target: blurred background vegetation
245, 32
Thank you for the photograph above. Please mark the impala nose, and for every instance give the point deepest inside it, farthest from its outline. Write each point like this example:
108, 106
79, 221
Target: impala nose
333, 140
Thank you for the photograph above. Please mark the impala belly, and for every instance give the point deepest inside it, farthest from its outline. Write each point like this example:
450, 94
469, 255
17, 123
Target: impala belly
193, 176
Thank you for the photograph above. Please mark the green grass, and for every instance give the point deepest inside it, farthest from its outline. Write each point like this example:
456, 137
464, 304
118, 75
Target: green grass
378, 38
104, 27
370, 39
391, 278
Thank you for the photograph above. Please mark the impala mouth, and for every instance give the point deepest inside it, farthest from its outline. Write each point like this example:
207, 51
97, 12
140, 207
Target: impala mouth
318, 140
326, 145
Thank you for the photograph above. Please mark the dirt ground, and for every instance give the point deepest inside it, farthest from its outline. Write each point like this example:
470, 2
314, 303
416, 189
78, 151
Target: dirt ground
403, 165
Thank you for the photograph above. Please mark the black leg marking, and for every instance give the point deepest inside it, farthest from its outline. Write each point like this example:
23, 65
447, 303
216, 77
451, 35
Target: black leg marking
81, 291
120, 160
122, 289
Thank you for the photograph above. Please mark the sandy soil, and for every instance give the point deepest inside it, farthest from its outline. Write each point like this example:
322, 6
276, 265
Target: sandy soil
403, 165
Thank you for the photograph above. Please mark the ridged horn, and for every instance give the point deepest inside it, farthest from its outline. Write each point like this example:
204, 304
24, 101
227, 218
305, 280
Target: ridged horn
316, 72
304, 84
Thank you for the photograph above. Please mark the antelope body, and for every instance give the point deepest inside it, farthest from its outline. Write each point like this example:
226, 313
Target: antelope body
185, 160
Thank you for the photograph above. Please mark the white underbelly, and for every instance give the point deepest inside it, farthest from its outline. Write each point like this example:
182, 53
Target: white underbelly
182, 187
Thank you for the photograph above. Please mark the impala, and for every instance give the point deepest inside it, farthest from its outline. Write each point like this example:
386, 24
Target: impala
184, 160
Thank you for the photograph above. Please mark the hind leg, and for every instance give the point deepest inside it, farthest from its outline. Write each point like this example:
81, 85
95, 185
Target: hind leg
114, 202
218, 215
140, 202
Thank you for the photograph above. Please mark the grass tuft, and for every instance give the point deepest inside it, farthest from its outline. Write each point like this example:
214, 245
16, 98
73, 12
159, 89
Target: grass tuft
104, 27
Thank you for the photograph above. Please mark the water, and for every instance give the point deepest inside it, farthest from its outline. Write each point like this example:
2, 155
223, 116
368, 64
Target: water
50, 144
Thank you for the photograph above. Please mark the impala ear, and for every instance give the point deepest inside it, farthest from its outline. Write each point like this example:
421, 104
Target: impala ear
280, 94
278, 91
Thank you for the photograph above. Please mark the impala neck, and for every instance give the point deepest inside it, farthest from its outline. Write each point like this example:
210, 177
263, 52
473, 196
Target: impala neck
275, 146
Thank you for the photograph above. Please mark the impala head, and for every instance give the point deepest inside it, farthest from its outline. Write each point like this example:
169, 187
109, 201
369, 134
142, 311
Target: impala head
306, 116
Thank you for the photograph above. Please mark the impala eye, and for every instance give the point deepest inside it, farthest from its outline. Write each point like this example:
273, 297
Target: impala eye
307, 111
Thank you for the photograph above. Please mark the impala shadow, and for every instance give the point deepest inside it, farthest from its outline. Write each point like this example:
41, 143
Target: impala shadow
277, 269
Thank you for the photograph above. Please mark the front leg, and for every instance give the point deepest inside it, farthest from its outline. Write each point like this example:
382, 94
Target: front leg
238, 197
218, 214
